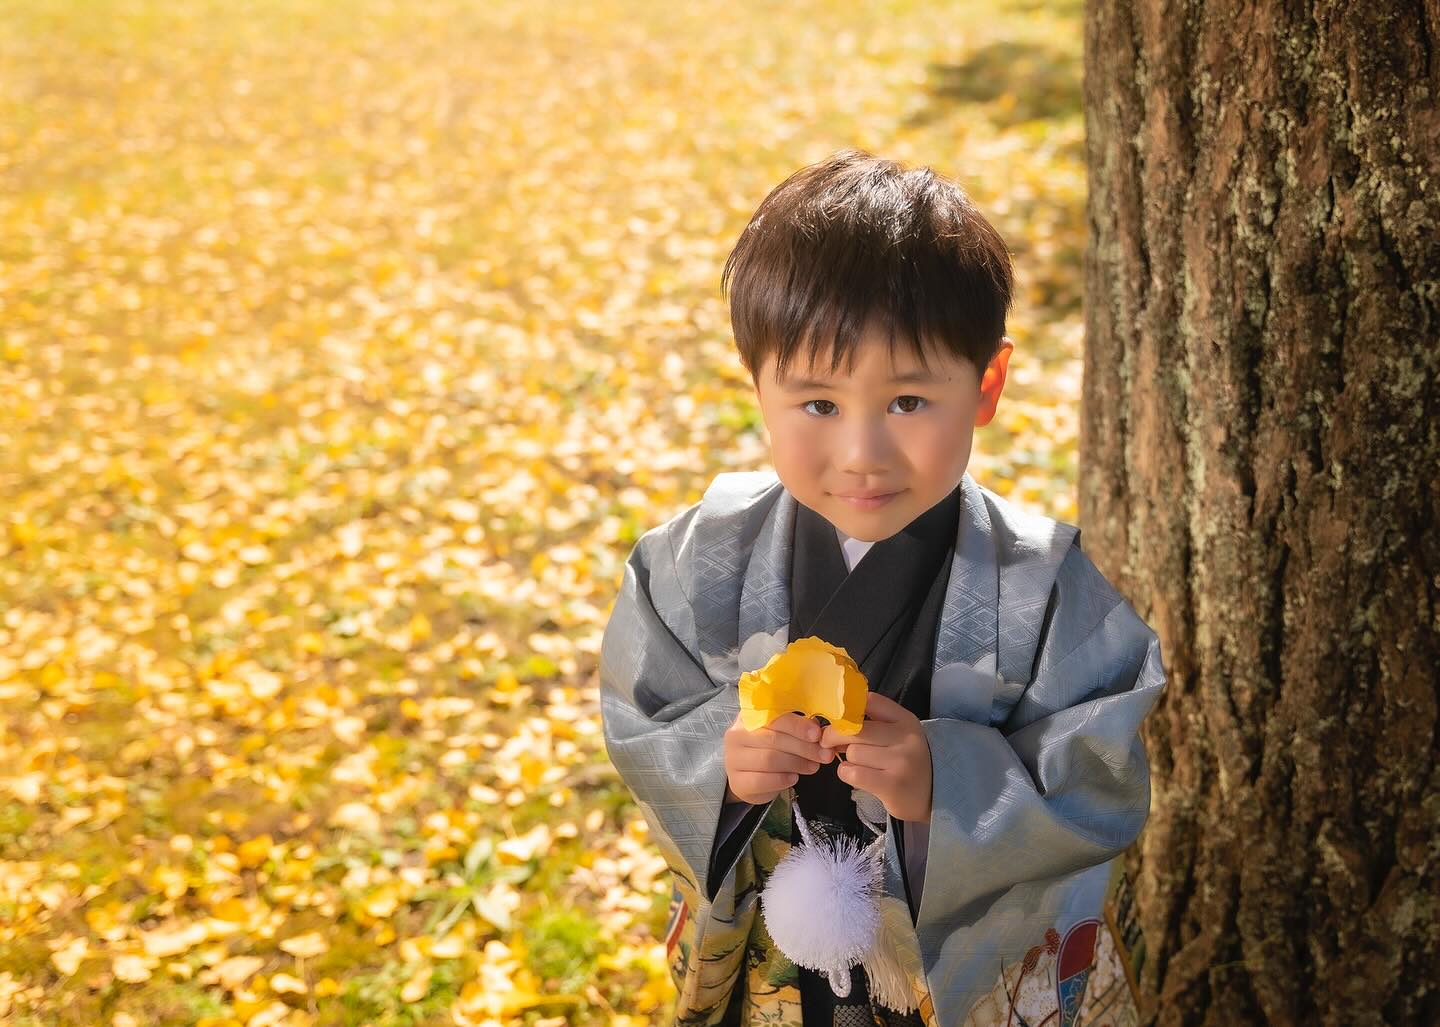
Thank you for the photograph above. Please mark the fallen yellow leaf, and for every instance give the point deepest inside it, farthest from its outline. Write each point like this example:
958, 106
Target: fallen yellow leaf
68, 958
418, 986
131, 969
235, 971
305, 945
529, 845
282, 983
171, 940
255, 851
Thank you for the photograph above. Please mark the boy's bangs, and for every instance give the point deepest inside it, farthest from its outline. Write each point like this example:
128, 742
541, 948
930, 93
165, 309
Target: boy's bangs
855, 238
828, 308
834, 326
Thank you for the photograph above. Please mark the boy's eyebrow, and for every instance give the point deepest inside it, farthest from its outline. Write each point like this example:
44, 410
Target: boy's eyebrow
796, 384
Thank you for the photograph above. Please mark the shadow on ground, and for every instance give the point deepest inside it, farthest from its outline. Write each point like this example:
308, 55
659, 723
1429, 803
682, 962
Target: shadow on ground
1040, 83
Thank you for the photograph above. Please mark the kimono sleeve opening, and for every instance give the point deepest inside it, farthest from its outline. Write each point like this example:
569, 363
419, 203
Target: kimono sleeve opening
738, 823
663, 717
916, 843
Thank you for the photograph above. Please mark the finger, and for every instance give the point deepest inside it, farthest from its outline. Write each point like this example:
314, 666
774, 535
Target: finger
884, 709
778, 742
867, 778
884, 724
789, 723
872, 732
876, 757
761, 783
834, 739
767, 740
774, 761
796, 725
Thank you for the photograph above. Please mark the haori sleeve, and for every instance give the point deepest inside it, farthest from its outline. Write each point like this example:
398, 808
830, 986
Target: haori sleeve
1063, 782
663, 717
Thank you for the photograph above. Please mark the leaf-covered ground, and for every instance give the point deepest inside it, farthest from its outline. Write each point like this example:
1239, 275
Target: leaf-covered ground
346, 348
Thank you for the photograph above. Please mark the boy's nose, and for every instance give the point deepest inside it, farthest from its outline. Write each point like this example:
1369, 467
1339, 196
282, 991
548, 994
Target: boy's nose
866, 451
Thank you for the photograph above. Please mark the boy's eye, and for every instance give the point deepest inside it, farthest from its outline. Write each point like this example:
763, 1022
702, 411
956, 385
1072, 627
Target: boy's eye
910, 409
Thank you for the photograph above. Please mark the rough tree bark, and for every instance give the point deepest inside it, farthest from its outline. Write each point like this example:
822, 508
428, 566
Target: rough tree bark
1260, 464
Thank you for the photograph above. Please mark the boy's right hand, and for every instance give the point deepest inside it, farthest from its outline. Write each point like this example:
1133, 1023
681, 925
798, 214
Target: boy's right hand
761, 764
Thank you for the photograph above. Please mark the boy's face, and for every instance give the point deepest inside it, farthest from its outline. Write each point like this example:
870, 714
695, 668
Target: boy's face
872, 431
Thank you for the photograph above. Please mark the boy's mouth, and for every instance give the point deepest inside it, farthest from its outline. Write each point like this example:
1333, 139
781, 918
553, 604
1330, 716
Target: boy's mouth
867, 500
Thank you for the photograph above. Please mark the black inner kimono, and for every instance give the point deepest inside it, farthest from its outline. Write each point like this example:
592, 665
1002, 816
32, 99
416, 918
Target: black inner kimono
884, 613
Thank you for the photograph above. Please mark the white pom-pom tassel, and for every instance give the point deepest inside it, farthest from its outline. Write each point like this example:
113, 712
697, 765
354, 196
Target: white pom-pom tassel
820, 904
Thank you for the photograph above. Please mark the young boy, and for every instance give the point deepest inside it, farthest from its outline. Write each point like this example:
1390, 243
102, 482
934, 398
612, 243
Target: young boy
1007, 678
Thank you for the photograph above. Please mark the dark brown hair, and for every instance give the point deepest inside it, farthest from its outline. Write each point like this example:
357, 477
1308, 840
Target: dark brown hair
855, 237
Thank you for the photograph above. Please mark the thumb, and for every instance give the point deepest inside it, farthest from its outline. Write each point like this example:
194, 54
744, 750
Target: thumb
883, 708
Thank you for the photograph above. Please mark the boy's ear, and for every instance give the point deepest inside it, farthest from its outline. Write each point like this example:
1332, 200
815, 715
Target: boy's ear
992, 383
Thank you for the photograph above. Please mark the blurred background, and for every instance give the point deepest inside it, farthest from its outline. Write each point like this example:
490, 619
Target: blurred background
345, 350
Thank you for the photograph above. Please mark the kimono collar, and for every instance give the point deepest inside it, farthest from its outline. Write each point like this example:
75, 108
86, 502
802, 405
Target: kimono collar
969, 629
857, 608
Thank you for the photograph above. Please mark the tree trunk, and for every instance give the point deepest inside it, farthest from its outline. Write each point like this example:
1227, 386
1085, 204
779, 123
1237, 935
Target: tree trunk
1260, 459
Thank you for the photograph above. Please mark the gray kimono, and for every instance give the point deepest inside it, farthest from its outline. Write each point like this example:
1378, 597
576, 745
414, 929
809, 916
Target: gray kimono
1042, 674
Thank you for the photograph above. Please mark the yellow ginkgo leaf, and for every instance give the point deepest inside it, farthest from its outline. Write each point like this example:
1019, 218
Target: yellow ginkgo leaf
255, 852
811, 676
235, 971
418, 986
68, 956
171, 939
130, 968
283, 983
306, 945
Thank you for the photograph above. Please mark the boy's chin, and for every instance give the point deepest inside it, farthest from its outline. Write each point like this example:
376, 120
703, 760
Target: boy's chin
872, 525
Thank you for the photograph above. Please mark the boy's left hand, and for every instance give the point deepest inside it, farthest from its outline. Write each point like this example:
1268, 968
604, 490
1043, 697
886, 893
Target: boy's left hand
889, 757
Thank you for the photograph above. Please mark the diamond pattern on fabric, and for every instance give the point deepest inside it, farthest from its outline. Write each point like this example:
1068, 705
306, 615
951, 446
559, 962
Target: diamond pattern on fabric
1027, 819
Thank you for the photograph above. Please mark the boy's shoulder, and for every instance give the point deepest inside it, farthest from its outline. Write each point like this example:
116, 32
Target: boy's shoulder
709, 532
739, 489
730, 501
1040, 563
1024, 530
1032, 546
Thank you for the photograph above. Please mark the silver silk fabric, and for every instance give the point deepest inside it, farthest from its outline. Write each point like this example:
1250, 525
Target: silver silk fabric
1040, 775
